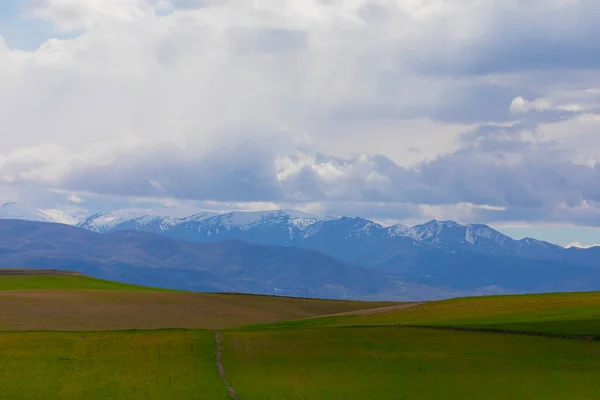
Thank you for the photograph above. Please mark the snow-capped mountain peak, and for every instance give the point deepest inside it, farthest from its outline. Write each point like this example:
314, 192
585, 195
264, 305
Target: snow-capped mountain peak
450, 234
433, 228
245, 219
135, 219
400, 230
293, 228
199, 217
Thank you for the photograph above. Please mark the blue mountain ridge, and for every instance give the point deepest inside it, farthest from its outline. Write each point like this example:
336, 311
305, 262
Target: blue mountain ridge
433, 260
440, 254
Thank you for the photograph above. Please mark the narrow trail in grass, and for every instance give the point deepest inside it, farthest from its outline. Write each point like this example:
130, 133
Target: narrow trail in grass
220, 367
370, 311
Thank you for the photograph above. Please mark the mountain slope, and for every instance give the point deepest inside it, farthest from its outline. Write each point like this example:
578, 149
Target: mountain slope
356, 240
277, 228
440, 256
122, 220
154, 260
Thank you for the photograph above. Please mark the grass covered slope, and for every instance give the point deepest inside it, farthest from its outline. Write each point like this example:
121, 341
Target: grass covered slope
122, 365
408, 363
72, 302
51, 281
555, 313
355, 350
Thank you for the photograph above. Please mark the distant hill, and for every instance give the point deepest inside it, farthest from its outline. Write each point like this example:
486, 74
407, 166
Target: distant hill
154, 260
434, 260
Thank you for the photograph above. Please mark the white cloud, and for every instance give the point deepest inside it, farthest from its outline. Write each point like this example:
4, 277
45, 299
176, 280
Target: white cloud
520, 105
580, 246
75, 199
70, 15
268, 102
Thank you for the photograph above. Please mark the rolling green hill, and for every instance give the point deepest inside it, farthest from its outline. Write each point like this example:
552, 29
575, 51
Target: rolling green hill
236, 346
552, 314
9, 280
58, 301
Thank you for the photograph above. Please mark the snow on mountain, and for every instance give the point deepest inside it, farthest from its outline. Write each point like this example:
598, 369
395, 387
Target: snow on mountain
452, 233
534, 242
432, 230
199, 217
360, 227
102, 222
59, 217
452, 236
400, 230
296, 228
22, 212
128, 219
251, 218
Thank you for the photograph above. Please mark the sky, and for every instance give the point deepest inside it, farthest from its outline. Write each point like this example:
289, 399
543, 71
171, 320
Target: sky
394, 110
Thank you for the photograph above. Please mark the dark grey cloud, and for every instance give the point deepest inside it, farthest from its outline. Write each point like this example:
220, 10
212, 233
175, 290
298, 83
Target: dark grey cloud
514, 174
497, 167
228, 174
588, 216
535, 35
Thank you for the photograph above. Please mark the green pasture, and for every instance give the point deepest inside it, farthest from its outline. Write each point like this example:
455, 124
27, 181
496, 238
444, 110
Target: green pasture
76, 282
109, 365
408, 363
555, 313
383, 355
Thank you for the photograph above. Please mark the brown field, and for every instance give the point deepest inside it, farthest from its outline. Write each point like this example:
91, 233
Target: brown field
52, 272
117, 310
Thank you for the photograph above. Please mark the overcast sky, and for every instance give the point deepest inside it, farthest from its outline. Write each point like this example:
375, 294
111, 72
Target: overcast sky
396, 110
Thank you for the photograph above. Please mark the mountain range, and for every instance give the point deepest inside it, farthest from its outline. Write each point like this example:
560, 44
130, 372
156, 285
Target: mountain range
431, 260
154, 260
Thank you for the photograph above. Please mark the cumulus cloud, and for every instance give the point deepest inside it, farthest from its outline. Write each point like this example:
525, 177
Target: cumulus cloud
70, 15
470, 109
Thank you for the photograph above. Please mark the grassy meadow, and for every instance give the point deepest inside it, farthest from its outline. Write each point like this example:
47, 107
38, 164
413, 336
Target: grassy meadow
109, 365
555, 313
408, 363
65, 282
72, 338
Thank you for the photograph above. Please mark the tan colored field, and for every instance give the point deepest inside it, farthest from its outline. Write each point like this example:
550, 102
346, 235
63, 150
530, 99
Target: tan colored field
45, 272
117, 310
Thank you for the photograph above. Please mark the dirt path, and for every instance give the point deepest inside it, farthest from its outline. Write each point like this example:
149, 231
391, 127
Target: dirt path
370, 311
220, 368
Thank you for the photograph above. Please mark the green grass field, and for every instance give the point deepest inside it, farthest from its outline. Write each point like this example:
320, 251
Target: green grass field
113, 365
371, 354
408, 363
556, 313
55, 282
